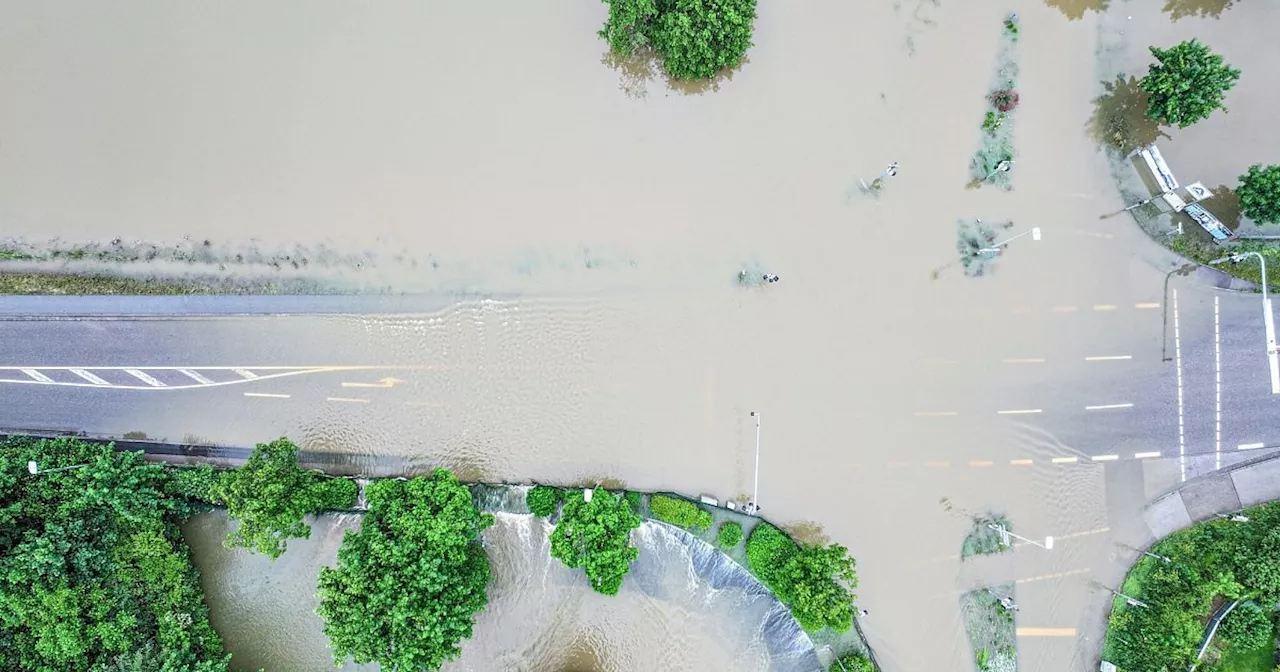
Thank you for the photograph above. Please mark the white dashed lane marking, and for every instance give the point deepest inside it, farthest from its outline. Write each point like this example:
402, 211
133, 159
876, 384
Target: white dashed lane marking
1105, 407
1250, 446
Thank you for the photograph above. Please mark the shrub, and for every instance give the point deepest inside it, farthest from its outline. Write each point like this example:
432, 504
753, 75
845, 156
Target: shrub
768, 549
1004, 100
853, 662
679, 512
634, 499
729, 536
694, 38
543, 500
1246, 627
1187, 84
1259, 193
195, 483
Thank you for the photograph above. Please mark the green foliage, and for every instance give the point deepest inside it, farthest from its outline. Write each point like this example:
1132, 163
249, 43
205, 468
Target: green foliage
198, 484
543, 500
1246, 627
1187, 84
1259, 194
982, 540
729, 535
853, 662
596, 536
409, 583
695, 38
270, 494
680, 512
635, 499
815, 582
93, 569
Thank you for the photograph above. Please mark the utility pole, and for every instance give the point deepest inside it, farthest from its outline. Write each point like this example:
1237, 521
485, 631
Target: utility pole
755, 490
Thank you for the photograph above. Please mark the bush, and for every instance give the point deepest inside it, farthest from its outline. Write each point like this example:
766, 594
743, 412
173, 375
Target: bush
1004, 100
635, 499
680, 512
1246, 627
1259, 193
768, 549
853, 662
695, 38
729, 536
543, 500
198, 483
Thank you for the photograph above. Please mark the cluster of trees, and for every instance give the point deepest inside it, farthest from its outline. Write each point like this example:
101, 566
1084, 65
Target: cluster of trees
694, 38
815, 582
1214, 560
595, 534
94, 574
1188, 83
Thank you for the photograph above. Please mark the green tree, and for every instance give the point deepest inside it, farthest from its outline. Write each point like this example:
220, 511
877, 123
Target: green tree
854, 662
270, 495
1187, 84
93, 567
817, 583
409, 584
695, 38
1259, 193
596, 536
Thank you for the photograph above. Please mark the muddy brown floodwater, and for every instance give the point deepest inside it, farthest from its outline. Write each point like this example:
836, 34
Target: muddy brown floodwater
449, 145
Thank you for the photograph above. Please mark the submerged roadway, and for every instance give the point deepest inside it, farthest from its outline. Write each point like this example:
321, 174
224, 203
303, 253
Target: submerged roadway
1068, 419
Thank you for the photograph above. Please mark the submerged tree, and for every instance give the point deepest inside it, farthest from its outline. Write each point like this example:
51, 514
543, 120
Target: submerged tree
596, 535
1187, 84
271, 494
409, 584
1259, 194
695, 38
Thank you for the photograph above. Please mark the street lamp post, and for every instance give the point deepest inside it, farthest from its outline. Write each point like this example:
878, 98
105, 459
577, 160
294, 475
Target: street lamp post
1268, 320
1002, 167
1035, 235
33, 468
755, 489
1005, 534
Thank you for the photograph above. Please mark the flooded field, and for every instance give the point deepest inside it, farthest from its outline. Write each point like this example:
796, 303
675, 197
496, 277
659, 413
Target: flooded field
440, 146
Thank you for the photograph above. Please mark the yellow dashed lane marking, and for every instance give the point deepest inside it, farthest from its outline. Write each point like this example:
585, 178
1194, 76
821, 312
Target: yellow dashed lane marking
1146, 305
1046, 632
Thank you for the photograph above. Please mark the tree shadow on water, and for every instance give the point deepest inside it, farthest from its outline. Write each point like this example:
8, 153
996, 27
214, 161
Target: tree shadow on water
1120, 117
1075, 9
1180, 9
637, 71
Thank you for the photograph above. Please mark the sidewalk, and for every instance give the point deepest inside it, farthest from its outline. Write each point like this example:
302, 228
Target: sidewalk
1230, 489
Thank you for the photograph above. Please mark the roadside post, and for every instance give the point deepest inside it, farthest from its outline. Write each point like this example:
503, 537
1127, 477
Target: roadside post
1035, 235
1005, 535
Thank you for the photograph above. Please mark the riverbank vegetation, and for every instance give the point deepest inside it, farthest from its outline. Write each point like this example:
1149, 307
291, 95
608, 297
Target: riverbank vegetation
595, 535
694, 40
543, 500
1208, 564
994, 159
679, 512
815, 582
409, 584
1186, 84
983, 539
95, 572
270, 495
729, 535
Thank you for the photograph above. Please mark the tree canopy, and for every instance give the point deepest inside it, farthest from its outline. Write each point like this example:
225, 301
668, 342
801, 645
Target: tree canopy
94, 574
270, 494
1259, 194
695, 38
409, 584
815, 582
1187, 84
596, 536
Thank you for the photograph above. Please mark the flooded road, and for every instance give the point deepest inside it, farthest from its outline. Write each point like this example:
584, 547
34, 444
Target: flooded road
438, 146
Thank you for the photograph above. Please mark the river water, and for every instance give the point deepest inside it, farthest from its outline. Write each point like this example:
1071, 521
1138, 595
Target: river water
684, 606
452, 145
